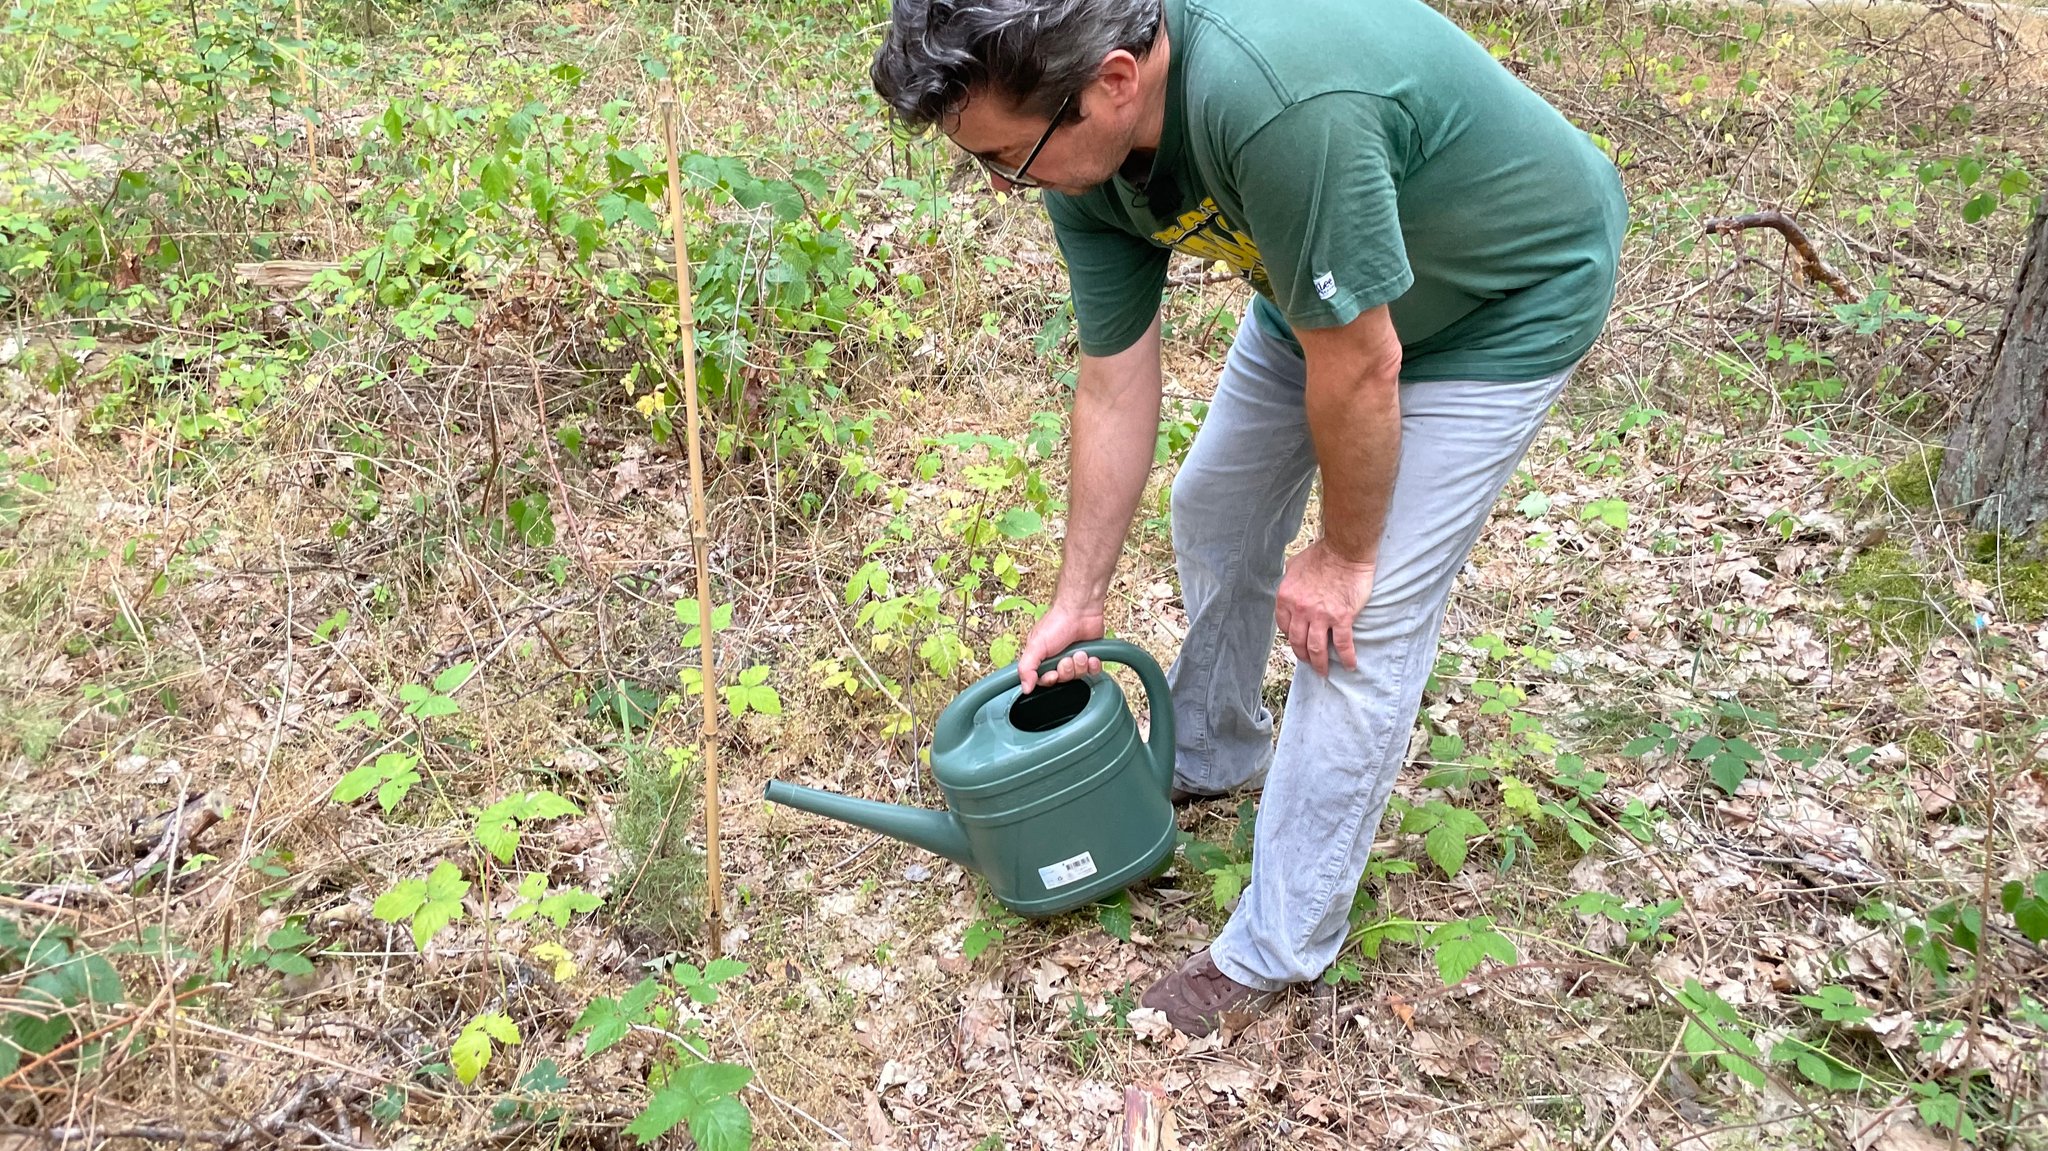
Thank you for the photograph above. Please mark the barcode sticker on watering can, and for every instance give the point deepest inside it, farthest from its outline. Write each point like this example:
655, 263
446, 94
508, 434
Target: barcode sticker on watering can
1067, 871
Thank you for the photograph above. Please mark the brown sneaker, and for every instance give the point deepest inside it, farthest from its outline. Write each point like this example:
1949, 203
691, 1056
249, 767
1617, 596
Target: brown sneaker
1197, 998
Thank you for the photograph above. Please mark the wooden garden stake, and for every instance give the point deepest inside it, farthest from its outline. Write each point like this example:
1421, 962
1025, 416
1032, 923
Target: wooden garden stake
700, 539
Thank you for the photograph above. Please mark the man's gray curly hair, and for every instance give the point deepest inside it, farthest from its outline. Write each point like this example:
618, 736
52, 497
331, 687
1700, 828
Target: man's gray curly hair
1035, 53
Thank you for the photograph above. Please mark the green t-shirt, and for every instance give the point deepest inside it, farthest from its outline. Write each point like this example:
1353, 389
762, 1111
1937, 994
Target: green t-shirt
1344, 154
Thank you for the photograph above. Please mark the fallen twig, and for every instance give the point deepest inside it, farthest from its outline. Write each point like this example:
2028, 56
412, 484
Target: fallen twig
1198, 279
1919, 271
1649, 1085
1809, 256
193, 816
62, 1135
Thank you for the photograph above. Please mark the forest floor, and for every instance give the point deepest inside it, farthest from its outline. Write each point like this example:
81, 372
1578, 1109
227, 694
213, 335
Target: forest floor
349, 757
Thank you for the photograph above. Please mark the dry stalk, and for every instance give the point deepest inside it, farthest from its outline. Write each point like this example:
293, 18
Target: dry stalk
96, 1136
1978, 978
306, 83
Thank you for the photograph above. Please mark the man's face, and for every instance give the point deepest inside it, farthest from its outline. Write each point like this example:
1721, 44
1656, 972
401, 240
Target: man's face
1083, 150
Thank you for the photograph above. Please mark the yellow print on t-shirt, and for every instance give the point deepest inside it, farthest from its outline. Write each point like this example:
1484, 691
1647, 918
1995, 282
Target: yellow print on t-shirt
1202, 232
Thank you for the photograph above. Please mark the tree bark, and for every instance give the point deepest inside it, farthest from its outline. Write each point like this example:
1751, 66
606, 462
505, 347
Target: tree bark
1996, 464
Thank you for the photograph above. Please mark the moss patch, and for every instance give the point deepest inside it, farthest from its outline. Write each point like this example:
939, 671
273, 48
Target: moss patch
2016, 574
1924, 747
1911, 481
1888, 588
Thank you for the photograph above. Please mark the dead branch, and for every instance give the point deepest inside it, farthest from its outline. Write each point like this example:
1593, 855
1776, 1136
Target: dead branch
192, 817
1147, 1123
1810, 260
1919, 271
2000, 38
285, 275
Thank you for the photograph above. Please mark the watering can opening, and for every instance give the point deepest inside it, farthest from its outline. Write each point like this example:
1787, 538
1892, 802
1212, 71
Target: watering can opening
1051, 707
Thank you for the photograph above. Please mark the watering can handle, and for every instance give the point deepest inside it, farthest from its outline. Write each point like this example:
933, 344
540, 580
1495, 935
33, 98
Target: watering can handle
959, 715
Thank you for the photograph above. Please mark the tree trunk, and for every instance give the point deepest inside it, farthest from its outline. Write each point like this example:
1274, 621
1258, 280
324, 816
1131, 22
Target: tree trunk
1996, 464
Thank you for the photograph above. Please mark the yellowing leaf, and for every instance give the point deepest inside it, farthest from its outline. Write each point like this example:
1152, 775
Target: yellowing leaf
558, 955
1519, 797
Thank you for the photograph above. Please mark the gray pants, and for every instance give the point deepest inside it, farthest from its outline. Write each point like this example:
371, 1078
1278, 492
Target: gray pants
1237, 504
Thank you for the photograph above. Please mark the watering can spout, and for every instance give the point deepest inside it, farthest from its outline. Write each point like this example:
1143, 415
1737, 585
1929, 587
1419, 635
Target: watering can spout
935, 831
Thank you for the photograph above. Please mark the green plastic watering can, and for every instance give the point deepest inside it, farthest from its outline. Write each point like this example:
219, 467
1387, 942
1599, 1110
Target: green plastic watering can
1052, 796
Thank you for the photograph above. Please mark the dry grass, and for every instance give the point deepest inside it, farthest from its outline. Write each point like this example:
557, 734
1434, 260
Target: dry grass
860, 1015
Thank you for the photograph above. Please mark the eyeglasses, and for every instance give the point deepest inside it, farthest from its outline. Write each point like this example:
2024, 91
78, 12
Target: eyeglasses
1018, 177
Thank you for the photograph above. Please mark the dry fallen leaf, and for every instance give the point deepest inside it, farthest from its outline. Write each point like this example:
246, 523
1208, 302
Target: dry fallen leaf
1907, 1136
1046, 979
1231, 1079
1150, 1024
881, 1133
1893, 1031
982, 1026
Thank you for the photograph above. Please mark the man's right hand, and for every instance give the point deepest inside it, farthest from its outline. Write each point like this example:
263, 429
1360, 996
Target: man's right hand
1058, 628
1115, 422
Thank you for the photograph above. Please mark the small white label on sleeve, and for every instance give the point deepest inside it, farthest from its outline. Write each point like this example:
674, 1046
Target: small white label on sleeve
1326, 285
1067, 871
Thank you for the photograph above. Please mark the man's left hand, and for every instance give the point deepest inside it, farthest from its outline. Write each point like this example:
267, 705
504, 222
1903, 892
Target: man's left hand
1320, 596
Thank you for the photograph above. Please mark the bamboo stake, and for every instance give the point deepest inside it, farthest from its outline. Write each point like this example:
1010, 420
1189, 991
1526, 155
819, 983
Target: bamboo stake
700, 538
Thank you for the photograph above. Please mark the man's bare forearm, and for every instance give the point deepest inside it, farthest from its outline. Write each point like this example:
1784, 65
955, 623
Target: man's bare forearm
1354, 420
1115, 424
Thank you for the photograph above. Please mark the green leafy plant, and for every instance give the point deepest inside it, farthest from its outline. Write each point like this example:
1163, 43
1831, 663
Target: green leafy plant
498, 826
1114, 914
58, 983
1447, 832
704, 1096
2028, 906
987, 931
702, 986
1611, 512
1458, 947
1728, 760
1946, 928
426, 702
1086, 1028
536, 900
391, 775
1817, 1065
282, 951
751, 694
473, 1047
608, 1020
689, 616
531, 520
1713, 1029
1643, 924
1227, 866
430, 904
685, 1086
